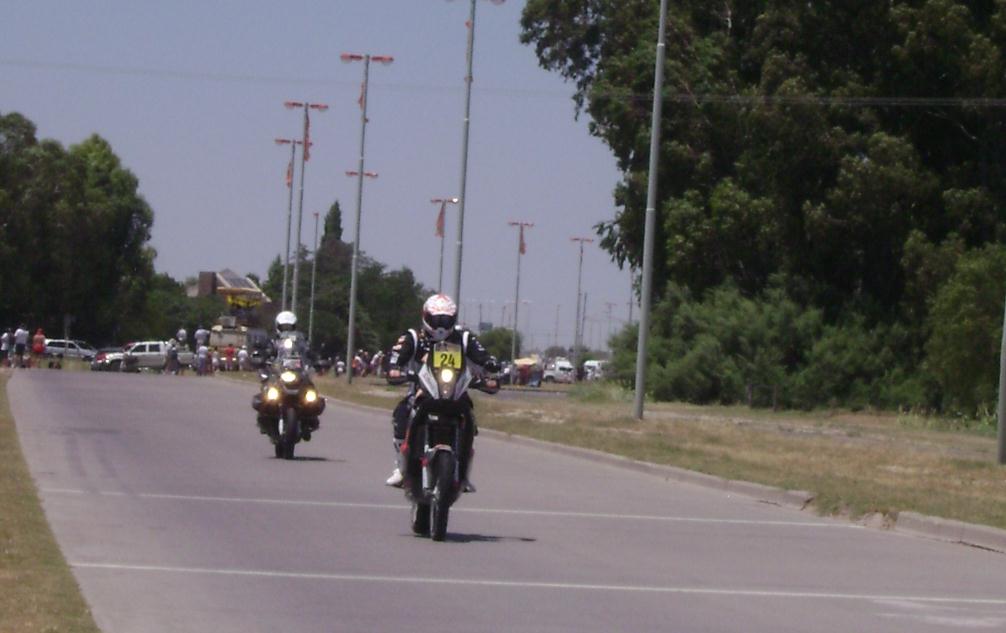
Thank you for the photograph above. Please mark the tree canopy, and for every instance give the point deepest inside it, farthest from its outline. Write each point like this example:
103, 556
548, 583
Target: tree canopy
75, 233
837, 155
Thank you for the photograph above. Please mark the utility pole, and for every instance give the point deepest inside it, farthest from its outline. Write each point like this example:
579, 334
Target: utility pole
441, 232
305, 156
651, 216
521, 249
579, 275
470, 55
314, 273
289, 210
1001, 409
555, 337
360, 173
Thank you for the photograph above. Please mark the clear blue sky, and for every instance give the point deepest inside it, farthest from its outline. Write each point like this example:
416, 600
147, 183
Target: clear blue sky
190, 94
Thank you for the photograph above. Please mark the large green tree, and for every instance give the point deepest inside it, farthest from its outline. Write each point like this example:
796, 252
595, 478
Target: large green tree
75, 234
843, 152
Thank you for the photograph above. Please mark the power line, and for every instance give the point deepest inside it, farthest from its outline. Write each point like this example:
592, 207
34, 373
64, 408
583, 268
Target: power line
625, 95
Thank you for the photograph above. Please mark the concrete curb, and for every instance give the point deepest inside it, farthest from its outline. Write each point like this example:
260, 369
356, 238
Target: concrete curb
913, 523
982, 536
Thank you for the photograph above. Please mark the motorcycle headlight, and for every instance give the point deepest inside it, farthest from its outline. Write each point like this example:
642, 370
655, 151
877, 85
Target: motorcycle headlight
288, 377
446, 375
310, 396
272, 394
288, 343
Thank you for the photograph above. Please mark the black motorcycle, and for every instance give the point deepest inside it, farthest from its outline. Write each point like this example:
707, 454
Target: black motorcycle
434, 442
288, 403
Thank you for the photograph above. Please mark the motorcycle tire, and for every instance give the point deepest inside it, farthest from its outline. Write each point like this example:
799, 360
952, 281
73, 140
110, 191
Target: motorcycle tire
421, 519
289, 432
443, 494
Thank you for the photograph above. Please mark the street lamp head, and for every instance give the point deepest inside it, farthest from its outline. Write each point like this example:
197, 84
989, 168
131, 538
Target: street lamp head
351, 57
283, 141
321, 107
383, 59
293, 104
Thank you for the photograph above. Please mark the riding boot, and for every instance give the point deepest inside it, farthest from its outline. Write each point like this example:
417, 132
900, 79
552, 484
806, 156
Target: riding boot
466, 482
397, 475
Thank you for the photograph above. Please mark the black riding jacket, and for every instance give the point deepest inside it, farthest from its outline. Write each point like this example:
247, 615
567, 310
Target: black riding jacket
412, 346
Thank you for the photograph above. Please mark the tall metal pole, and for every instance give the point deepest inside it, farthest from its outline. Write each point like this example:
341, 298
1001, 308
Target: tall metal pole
289, 214
314, 274
305, 151
579, 277
365, 58
443, 234
1001, 434
464, 152
516, 298
300, 215
651, 213
351, 334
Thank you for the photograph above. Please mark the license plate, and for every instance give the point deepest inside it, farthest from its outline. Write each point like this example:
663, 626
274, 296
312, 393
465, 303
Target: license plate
449, 356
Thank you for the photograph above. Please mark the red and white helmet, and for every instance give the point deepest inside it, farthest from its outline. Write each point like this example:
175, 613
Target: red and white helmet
440, 314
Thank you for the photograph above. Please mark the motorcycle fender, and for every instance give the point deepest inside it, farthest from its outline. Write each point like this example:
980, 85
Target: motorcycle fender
428, 459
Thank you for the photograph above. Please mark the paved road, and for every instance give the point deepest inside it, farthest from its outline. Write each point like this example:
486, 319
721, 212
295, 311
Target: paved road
175, 517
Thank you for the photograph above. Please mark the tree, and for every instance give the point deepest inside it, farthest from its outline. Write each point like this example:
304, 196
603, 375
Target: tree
75, 226
833, 152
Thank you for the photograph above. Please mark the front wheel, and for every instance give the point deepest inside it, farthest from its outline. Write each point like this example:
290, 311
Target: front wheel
421, 518
289, 432
443, 495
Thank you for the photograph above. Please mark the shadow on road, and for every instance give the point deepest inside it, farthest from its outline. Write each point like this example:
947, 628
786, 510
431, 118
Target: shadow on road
485, 538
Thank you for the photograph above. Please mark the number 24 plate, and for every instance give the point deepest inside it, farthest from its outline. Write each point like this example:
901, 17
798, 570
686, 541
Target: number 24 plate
449, 357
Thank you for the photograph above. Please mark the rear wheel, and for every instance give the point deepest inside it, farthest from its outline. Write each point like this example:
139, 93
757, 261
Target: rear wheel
443, 494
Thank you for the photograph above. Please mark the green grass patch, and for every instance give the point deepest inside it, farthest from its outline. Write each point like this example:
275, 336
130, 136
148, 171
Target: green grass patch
38, 593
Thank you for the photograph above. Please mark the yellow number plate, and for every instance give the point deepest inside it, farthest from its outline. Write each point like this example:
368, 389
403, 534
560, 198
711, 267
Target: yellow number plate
449, 357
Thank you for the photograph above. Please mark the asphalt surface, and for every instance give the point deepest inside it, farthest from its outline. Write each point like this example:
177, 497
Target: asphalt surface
175, 516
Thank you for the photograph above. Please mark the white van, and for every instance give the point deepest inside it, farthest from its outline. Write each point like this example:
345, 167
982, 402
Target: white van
559, 370
594, 369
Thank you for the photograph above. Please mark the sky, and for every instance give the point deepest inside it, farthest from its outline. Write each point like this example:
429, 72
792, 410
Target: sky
190, 95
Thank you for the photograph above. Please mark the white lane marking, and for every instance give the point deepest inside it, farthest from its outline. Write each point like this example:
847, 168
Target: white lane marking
395, 506
518, 584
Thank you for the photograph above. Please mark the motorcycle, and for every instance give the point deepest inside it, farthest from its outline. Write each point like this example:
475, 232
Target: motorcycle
433, 445
288, 403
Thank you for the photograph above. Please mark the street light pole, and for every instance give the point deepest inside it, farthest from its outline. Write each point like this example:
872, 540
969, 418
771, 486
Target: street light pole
441, 232
360, 173
314, 273
516, 299
651, 217
470, 54
304, 157
579, 277
289, 210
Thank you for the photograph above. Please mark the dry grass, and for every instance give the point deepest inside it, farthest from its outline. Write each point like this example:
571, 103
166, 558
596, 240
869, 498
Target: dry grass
37, 591
854, 463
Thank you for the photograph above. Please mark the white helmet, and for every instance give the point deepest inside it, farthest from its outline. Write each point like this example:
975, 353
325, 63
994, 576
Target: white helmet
440, 314
286, 321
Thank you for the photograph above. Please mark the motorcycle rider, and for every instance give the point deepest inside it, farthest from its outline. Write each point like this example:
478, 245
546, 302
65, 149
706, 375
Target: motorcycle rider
439, 325
288, 343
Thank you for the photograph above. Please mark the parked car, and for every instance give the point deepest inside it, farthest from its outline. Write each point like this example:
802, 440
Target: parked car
559, 370
107, 359
69, 349
594, 369
151, 355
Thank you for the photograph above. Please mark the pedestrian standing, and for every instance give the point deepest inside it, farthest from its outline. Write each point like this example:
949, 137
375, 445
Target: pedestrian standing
182, 337
38, 347
20, 344
243, 358
202, 360
6, 343
202, 337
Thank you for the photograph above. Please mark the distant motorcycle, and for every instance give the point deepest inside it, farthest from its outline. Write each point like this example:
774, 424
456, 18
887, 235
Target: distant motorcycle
288, 402
433, 443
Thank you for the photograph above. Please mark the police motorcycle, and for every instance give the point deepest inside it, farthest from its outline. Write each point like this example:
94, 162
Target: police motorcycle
433, 445
288, 404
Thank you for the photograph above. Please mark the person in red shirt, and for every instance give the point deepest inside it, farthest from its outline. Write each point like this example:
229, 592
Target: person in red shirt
38, 347
229, 352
